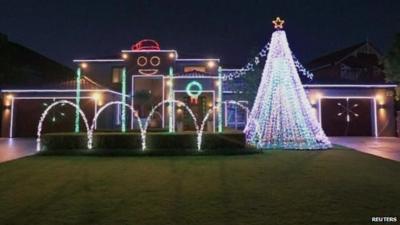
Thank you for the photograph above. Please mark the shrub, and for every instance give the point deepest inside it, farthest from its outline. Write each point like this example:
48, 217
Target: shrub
157, 143
117, 141
64, 141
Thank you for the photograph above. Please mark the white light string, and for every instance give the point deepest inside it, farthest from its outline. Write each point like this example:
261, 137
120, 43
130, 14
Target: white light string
256, 60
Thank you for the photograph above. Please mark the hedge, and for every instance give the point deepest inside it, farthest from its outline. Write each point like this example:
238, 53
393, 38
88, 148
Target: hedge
157, 143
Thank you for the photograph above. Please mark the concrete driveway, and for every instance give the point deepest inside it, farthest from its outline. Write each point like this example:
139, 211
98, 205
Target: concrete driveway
14, 148
385, 147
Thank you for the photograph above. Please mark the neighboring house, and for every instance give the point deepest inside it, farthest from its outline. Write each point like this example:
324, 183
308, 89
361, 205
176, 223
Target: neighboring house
30, 82
357, 64
23, 67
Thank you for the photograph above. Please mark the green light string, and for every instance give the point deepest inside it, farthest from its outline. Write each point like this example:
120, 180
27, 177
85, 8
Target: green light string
123, 99
171, 96
219, 100
77, 98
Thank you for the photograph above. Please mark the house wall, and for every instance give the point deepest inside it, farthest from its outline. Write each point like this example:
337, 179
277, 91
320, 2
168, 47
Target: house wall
327, 73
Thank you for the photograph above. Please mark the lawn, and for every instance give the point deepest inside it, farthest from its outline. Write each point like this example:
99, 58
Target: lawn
276, 187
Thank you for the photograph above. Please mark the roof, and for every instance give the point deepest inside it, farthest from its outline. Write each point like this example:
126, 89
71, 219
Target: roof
21, 66
86, 83
337, 56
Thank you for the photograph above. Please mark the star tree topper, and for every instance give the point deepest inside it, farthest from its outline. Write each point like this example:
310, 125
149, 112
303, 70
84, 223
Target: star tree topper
278, 23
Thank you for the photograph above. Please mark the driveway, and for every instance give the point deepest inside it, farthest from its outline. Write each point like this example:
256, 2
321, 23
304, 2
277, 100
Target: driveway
14, 148
385, 147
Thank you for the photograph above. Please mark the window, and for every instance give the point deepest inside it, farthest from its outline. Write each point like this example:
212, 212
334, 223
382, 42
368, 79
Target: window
116, 75
349, 73
236, 116
188, 69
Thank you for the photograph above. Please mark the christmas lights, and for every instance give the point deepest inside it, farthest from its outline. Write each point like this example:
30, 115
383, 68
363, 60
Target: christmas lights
201, 129
153, 110
78, 96
278, 23
212, 92
98, 113
58, 91
208, 59
46, 111
219, 99
194, 90
281, 108
123, 100
232, 74
12, 118
171, 107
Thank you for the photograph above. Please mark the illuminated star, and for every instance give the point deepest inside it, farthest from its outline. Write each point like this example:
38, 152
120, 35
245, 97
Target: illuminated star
278, 23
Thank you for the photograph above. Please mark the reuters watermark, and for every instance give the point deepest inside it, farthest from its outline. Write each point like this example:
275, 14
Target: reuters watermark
384, 219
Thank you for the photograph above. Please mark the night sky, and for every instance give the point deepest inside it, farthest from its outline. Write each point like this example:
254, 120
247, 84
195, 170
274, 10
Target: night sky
231, 30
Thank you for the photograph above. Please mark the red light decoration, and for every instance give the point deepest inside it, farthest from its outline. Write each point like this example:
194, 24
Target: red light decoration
146, 44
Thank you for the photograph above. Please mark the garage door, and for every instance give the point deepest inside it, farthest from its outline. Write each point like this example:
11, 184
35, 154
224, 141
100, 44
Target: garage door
61, 118
347, 117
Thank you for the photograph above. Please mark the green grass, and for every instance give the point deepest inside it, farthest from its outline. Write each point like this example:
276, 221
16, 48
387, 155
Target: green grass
277, 187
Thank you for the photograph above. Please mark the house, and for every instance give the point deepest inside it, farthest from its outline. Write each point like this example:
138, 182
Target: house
29, 83
357, 64
149, 84
21, 66
142, 77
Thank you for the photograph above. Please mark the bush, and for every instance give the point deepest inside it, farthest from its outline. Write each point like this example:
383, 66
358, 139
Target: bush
64, 141
150, 129
117, 141
157, 143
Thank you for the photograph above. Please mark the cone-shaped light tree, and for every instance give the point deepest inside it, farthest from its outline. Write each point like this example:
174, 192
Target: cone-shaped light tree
282, 116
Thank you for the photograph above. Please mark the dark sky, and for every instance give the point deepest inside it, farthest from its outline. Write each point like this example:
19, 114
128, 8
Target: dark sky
231, 30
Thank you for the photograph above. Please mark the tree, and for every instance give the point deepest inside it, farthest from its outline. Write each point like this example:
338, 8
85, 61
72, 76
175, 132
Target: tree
392, 61
281, 116
248, 85
392, 64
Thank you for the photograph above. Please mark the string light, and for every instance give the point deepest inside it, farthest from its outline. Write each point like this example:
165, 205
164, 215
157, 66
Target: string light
219, 99
194, 90
171, 106
278, 23
256, 60
282, 116
46, 111
142, 128
98, 113
78, 96
248, 67
123, 99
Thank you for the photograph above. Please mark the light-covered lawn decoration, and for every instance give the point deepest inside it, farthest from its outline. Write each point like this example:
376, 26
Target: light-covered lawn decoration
282, 116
